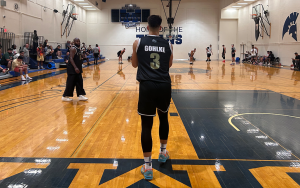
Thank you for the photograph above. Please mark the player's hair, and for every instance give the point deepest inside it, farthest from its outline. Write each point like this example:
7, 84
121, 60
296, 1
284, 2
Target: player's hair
154, 21
96, 45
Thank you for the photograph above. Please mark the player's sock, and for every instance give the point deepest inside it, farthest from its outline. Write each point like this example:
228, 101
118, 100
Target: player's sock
163, 148
148, 163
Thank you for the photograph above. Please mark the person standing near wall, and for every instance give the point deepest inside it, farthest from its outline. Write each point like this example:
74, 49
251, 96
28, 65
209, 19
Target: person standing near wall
120, 54
296, 61
209, 53
192, 56
223, 53
26, 54
40, 56
233, 50
74, 71
96, 53
35, 41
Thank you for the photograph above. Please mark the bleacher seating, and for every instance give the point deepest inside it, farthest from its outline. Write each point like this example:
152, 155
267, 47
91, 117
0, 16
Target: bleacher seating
48, 64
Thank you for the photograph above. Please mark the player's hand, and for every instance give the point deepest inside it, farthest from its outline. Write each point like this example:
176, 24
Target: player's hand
77, 70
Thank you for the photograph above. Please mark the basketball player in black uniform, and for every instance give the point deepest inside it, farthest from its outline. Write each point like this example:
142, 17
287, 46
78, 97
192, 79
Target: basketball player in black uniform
223, 53
74, 71
233, 50
153, 56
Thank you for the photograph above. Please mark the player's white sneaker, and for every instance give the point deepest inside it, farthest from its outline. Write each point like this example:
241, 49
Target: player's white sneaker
82, 98
22, 78
66, 99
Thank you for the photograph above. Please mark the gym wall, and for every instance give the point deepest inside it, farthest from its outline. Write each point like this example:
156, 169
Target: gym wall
279, 10
31, 16
228, 32
199, 21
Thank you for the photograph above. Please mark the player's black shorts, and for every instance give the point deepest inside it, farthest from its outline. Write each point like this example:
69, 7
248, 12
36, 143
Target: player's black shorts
233, 55
208, 55
223, 56
84, 58
154, 95
96, 55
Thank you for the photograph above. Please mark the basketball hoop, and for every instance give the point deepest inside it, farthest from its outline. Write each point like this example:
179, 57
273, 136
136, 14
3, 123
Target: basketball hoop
252, 16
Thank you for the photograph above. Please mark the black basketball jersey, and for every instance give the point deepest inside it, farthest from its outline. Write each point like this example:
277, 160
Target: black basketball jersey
153, 54
77, 60
233, 49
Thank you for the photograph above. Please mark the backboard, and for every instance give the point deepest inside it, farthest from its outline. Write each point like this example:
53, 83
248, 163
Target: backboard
257, 11
170, 34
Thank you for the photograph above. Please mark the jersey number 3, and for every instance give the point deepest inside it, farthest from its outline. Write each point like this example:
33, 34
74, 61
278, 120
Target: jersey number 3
155, 64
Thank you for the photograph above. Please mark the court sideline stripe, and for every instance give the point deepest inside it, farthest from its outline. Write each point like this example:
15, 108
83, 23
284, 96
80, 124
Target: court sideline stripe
82, 143
29, 103
24, 101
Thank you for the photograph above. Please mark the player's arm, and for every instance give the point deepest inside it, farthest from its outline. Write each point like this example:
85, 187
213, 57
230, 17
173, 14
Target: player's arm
134, 54
256, 50
171, 58
225, 50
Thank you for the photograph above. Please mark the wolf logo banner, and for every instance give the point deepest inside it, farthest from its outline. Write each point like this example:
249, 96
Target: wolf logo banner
290, 25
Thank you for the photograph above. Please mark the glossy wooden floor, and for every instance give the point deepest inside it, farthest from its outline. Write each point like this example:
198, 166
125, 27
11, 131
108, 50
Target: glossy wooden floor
84, 144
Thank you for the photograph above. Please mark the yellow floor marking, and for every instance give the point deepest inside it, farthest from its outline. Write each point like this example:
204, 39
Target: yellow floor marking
133, 176
230, 119
201, 175
275, 176
89, 174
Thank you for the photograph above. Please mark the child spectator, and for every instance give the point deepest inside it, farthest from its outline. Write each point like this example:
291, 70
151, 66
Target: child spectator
40, 56
20, 67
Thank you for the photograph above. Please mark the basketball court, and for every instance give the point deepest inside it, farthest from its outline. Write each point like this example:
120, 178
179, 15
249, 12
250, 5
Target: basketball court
230, 125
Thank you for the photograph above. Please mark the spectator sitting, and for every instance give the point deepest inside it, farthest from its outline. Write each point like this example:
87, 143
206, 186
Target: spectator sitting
263, 59
49, 51
7, 58
296, 61
45, 43
5, 71
26, 54
14, 47
57, 52
270, 58
20, 67
90, 49
67, 57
